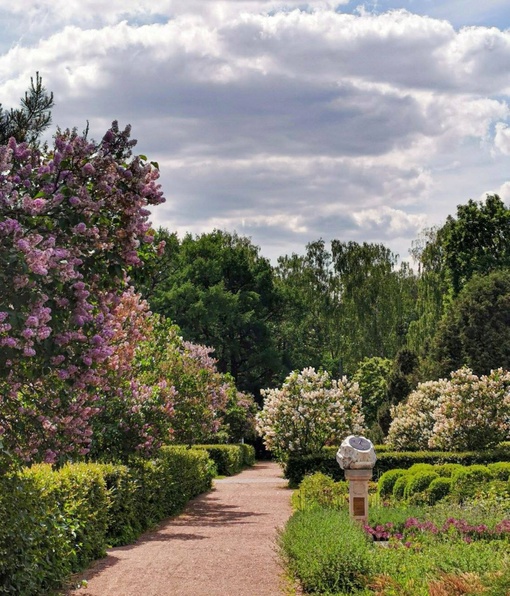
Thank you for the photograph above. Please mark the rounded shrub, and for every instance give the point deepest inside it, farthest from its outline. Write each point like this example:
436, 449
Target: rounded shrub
447, 470
400, 486
500, 470
321, 490
387, 481
467, 481
421, 467
419, 482
438, 489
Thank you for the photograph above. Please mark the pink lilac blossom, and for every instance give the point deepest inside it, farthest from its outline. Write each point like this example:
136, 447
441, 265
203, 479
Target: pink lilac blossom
62, 280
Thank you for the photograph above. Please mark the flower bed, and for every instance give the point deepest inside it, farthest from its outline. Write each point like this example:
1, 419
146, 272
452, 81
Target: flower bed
451, 548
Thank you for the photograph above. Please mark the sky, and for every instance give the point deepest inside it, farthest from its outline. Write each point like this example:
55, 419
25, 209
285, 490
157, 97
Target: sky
285, 121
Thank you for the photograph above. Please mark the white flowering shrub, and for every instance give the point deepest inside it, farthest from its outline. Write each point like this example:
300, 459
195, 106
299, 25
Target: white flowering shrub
309, 411
413, 420
473, 412
463, 413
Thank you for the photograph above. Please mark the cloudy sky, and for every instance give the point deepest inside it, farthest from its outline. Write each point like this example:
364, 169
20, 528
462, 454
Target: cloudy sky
286, 121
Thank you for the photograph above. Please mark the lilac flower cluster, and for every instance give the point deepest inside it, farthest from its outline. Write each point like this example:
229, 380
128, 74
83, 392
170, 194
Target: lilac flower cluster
71, 222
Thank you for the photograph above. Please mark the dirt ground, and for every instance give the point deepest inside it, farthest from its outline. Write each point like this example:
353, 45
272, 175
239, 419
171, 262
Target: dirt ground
223, 544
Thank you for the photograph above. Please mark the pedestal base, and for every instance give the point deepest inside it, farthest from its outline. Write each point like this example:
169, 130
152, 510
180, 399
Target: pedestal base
358, 493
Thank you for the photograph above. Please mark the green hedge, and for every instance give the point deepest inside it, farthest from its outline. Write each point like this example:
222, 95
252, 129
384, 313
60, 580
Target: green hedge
297, 467
423, 483
53, 523
230, 459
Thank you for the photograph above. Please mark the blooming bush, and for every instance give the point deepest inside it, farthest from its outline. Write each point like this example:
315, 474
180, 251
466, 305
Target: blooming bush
309, 411
135, 404
413, 420
474, 412
72, 221
464, 413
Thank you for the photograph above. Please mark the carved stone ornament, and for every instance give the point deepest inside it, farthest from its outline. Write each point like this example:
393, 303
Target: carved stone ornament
356, 453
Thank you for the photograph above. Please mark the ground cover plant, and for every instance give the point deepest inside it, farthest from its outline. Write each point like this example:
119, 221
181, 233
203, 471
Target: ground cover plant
450, 548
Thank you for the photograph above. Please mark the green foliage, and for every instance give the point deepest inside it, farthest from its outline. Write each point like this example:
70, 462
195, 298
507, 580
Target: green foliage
438, 489
248, 454
327, 551
400, 486
53, 524
467, 481
229, 459
387, 481
343, 305
125, 522
220, 292
447, 470
476, 331
372, 377
297, 467
418, 482
476, 241
500, 470
29, 121
322, 491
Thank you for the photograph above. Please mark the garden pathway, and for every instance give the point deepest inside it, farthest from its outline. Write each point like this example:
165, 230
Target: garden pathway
223, 544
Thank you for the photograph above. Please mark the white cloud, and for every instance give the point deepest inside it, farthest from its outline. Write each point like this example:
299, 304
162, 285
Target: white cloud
502, 138
298, 123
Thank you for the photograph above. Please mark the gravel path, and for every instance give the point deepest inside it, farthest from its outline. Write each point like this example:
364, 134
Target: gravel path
223, 544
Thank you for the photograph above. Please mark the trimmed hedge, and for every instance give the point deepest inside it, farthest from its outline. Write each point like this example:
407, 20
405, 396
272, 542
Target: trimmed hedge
53, 523
420, 484
297, 467
230, 459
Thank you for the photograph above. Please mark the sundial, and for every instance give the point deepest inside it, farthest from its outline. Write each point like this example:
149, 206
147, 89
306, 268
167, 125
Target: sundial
360, 443
356, 453
356, 456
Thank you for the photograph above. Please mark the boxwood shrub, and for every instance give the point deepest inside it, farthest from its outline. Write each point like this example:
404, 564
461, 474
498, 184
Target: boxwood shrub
438, 489
387, 482
419, 482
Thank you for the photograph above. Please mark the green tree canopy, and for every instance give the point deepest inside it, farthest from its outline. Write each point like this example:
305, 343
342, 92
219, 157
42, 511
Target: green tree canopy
476, 330
343, 305
29, 121
220, 292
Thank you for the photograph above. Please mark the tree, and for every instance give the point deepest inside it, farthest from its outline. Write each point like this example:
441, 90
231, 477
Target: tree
343, 305
413, 419
379, 299
72, 220
309, 333
473, 413
27, 123
372, 377
476, 330
475, 241
220, 292
309, 411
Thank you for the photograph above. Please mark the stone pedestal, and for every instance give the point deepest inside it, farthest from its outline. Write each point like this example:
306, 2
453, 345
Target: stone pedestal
358, 493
